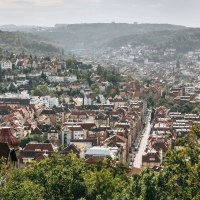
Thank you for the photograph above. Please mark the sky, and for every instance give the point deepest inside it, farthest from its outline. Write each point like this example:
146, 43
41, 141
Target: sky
51, 12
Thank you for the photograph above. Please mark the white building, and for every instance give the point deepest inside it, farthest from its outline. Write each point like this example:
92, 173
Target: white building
23, 95
9, 76
101, 151
48, 101
56, 79
6, 65
74, 132
52, 134
72, 78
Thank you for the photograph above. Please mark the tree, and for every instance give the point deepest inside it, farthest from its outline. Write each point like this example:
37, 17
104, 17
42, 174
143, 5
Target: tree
98, 99
95, 88
26, 140
41, 90
103, 185
43, 76
19, 187
37, 92
179, 178
178, 64
99, 70
150, 101
59, 177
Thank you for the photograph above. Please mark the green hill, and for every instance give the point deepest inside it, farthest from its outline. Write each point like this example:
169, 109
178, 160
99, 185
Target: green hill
182, 40
99, 36
87, 36
18, 41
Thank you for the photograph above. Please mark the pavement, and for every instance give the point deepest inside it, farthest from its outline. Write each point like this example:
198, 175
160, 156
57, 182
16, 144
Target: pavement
141, 150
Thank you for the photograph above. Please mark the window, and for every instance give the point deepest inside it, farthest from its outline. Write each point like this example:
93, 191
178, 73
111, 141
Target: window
37, 149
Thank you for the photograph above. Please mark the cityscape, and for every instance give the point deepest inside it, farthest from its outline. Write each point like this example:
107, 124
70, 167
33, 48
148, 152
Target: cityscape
99, 111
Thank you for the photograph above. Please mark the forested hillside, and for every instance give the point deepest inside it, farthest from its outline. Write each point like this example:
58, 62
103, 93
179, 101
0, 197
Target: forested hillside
87, 36
183, 40
100, 36
18, 41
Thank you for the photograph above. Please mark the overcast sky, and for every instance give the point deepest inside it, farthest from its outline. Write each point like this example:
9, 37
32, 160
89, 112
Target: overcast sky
50, 12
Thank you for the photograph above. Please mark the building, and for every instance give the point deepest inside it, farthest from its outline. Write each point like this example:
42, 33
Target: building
6, 136
14, 98
35, 151
48, 101
74, 132
5, 65
8, 154
101, 151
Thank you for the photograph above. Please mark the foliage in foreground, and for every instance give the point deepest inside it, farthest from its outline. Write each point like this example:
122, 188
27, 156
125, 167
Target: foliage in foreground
71, 178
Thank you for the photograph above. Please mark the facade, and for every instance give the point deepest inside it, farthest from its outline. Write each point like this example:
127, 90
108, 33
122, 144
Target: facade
6, 65
100, 151
56, 79
35, 151
13, 98
52, 134
48, 101
71, 133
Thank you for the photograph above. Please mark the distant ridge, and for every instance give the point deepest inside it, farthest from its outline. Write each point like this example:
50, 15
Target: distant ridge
30, 43
95, 36
183, 40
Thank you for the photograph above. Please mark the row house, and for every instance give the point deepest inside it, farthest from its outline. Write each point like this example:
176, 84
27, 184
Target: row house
81, 115
155, 151
118, 101
121, 143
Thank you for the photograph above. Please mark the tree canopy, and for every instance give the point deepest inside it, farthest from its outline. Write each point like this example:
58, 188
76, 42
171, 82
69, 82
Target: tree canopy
68, 177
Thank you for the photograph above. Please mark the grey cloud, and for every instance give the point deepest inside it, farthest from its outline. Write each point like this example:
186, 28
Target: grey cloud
49, 12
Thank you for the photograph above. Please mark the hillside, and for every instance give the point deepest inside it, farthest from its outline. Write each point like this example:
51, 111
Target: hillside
99, 36
87, 36
182, 40
18, 41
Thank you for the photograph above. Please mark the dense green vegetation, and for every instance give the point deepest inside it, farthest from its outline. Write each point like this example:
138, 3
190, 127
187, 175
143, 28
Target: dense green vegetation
71, 178
182, 40
101, 35
84, 72
97, 35
184, 108
27, 42
88, 36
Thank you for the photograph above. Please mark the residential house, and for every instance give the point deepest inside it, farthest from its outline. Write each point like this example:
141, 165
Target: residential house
71, 148
36, 152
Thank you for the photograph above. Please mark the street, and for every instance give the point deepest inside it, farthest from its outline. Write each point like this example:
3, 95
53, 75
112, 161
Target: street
141, 150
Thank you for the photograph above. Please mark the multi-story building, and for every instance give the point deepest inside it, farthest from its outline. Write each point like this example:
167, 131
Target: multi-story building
48, 101
6, 65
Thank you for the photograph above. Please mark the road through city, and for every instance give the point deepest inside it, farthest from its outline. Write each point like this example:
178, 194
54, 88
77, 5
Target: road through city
141, 150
